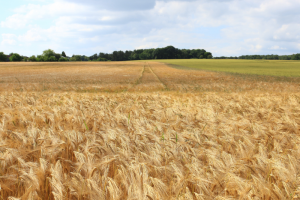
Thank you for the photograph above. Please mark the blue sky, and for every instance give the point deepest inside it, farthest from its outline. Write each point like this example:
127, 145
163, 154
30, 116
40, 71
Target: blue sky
223, 27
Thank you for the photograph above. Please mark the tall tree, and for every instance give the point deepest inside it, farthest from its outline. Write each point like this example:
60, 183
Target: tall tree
15, 57
32, 59
48, 53
57, 56
168, 52
3, 57
295, 57
63, 54
95, 56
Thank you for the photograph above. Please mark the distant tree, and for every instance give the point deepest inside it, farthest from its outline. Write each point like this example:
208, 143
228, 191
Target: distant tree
78, 58
15, 57
63, 54
269, 57
25, 59
101, 59
295, 57
57, 56
62, 59
148, 53
48, 53
168, 52
127, 55
84, 58
40, 58
184, 53
207, 55
135, 56
101, 55
284, 57
194, 53
95, 57
75, 58
49, 56
32, 59
145, 56
115, 56
3, 57
52, 59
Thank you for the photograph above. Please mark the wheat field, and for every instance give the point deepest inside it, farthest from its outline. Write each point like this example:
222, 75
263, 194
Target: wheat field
158, 137
289, 68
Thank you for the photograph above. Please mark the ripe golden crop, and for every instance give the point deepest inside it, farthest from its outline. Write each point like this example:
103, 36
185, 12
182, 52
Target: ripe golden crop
174, 142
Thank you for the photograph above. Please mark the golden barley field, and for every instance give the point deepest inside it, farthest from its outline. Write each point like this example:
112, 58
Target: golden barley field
144, 130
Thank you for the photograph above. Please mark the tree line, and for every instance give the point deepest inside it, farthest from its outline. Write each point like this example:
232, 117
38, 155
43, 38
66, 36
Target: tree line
168, 52
264, 57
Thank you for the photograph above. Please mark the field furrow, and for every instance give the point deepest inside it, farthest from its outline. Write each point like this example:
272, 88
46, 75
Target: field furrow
165, 87
148, 81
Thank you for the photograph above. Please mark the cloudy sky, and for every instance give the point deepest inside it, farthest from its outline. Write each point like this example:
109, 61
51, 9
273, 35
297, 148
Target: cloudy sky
85, 27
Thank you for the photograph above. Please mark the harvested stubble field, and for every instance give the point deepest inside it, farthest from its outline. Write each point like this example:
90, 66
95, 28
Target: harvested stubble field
145, 131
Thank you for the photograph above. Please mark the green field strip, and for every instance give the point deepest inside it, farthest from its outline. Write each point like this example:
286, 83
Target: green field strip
287, 68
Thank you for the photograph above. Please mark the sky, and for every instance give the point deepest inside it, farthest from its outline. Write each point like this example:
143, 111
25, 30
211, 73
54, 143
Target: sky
223, 27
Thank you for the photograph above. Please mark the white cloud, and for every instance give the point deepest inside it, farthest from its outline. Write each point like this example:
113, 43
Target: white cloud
33, 35
86, 27
276, 47
118, 5
14, 22
9, 39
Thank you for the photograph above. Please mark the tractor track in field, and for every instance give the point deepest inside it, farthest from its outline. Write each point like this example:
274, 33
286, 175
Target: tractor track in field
165, 86
148, 80
138, 81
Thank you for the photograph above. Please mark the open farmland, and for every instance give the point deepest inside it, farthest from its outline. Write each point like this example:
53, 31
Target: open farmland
288, 68
144, 130
131, 76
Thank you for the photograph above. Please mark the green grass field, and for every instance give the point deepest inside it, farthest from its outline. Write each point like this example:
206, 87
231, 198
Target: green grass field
286, 68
